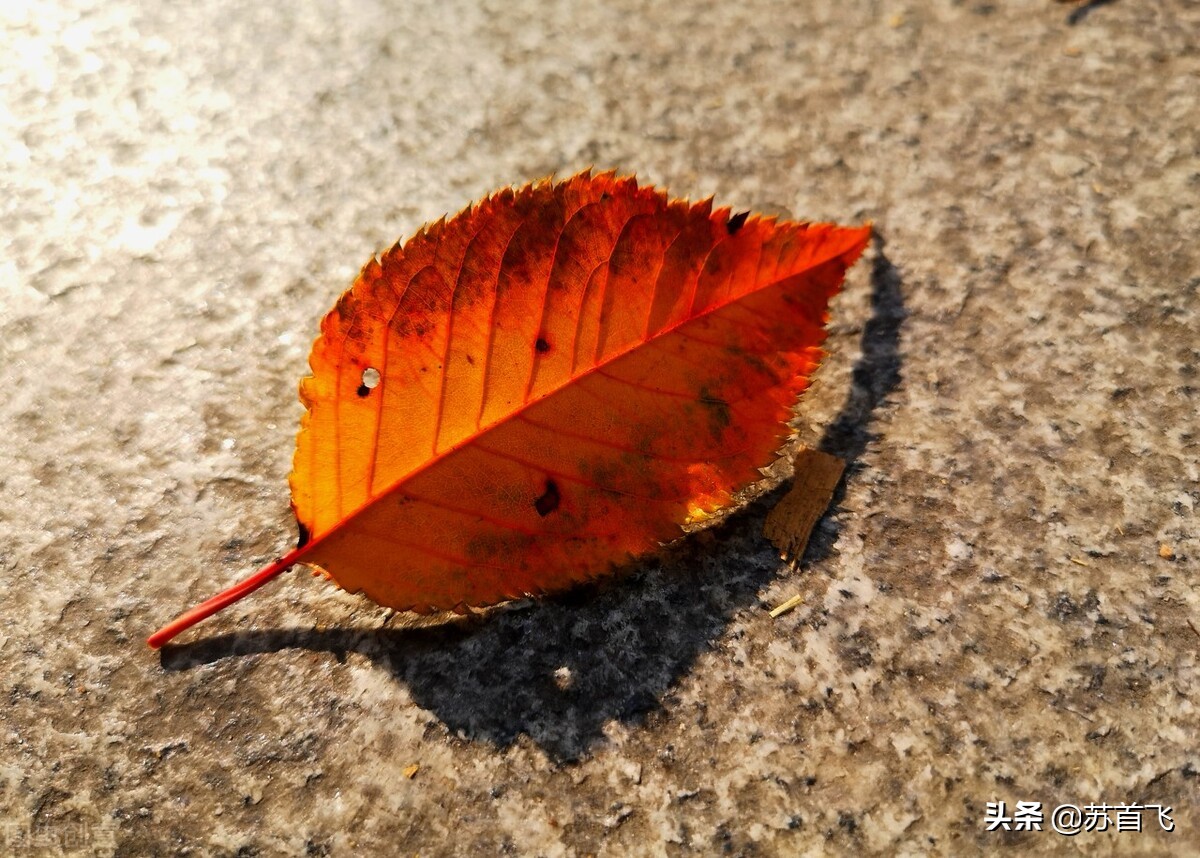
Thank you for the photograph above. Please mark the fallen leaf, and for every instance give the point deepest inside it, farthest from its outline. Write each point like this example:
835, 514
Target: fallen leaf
546, 386
789, 525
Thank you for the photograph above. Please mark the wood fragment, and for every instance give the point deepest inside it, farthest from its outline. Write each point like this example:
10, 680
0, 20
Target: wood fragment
781, 609
410, 772
1079, 562
789, 525
1166, 552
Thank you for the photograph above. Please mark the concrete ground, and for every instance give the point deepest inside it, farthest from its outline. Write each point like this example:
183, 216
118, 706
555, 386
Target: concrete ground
1000, 606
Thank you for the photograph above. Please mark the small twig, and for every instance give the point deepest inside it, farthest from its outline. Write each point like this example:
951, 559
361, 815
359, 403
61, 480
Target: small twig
790, 604
1084, 9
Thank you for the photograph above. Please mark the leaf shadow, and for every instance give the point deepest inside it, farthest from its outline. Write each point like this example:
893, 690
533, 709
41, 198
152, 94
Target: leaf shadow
875, 375
559, 670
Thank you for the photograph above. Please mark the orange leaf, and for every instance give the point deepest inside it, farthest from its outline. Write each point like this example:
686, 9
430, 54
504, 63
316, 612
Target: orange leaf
547, 385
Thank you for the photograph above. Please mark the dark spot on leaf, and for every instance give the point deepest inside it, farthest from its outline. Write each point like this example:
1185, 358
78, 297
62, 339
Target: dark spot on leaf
470, 360
736, 222
347, 305
363, 390
304, 535
719, 413
549, 500
541, 345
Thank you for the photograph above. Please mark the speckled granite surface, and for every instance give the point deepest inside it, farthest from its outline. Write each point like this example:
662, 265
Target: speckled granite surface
987, 613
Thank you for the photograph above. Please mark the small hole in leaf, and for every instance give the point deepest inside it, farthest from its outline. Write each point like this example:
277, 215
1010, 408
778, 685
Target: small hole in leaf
370, 380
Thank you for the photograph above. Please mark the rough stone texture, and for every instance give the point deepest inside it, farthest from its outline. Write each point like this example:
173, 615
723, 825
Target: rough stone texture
187, 187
